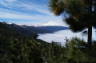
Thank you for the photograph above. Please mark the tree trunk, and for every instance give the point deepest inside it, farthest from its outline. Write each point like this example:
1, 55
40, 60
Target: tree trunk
89, 36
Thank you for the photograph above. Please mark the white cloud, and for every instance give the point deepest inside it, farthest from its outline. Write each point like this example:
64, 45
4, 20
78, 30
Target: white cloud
10, 1
26, 6
53, 23
61, 36
49, 18
39, 8
26, 16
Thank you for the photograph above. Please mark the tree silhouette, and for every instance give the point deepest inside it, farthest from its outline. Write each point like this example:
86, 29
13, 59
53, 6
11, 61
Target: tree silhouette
81, 14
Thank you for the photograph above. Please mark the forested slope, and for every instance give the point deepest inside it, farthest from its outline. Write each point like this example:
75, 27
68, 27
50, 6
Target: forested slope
18, 48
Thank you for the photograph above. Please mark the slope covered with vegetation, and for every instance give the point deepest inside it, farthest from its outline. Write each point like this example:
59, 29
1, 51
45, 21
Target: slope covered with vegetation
18, 48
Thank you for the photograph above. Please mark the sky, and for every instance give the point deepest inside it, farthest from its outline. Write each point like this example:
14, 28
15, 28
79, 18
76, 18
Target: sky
28, 12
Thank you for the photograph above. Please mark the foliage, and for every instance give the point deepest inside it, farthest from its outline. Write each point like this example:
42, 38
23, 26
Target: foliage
81, 14
16, 48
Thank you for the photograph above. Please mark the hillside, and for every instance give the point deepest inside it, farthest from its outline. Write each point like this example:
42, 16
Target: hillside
29, 30
16, 47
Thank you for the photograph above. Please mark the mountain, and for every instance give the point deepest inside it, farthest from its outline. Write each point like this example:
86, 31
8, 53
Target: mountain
32, 30
29, 30
14, 29
45, 29
21, 30
19, 48
16, 47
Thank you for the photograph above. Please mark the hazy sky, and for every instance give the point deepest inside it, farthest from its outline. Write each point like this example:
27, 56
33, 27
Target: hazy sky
28, 12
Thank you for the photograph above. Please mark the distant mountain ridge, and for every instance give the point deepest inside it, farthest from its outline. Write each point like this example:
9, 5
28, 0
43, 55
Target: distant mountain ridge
30, 30
45, 29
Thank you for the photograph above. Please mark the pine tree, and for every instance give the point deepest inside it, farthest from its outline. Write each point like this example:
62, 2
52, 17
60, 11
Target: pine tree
81, 14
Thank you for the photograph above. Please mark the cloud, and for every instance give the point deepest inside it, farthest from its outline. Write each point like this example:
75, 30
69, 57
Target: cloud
10, 1
35, 7
26, 6
61, 36
46, 16
26, 16
7, 3
53, 23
